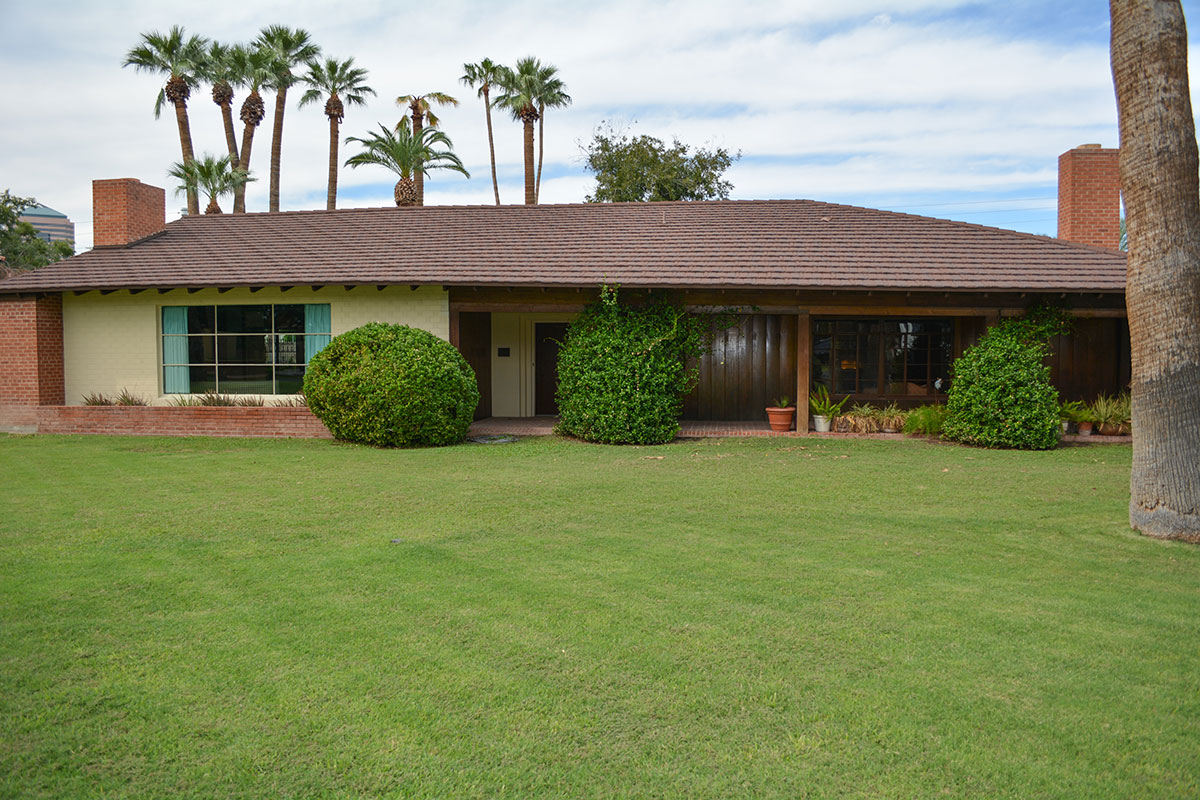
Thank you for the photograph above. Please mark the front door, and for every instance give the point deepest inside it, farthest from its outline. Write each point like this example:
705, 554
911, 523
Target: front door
547, 336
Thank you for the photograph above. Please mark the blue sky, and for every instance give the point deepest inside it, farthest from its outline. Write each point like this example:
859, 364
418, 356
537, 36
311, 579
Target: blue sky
936, 107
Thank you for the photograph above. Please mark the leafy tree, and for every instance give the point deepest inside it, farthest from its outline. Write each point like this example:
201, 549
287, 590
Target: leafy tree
20, 246
179, 57
420, 112
343, 84
485, 74
215, 176
639, 168
406, 154
1159, 165
289, 48
253, 66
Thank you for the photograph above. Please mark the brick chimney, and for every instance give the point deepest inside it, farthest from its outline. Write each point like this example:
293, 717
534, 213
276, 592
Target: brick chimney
125, 210
1089, 196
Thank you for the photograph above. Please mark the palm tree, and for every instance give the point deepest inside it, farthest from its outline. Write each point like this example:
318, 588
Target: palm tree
216, 176
253, 66
521, 88
551, 94
343, 84
177, 56
483, 75
406, 154
1159, 162
218, 68
420, 111
289, 48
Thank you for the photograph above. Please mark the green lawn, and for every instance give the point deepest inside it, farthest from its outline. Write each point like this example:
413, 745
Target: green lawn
719, 618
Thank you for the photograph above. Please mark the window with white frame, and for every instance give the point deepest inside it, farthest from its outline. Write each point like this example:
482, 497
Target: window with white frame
241, 349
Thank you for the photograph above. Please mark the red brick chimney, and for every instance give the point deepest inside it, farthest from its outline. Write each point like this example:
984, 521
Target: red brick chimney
125, 210
1089, 196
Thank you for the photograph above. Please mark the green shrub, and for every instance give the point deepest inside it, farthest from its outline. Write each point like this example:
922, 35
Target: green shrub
392, 386
925, 420
1001, 395
622, 371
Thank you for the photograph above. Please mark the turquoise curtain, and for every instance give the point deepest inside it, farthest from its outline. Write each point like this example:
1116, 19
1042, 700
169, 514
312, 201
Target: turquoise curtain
176, 379
316, 329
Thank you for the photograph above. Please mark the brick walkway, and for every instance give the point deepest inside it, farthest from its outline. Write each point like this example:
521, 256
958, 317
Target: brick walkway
690, 429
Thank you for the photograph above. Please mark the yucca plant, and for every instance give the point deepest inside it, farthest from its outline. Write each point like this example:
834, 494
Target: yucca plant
128, 398
891, 417
406, 154
97, 399
216, 176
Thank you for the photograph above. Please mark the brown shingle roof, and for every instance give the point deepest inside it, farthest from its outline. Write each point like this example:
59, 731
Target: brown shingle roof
792, 244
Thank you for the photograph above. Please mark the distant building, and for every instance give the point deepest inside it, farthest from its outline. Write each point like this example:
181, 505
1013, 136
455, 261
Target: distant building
52, 226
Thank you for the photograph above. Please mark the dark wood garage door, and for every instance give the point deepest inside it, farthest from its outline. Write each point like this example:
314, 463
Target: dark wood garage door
748, 366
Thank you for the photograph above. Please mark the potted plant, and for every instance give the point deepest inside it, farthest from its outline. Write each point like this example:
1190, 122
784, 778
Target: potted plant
891, 418
1107, 413
863, 418
780, 415
1069, 413
1125, 414
1085, 418
823, 408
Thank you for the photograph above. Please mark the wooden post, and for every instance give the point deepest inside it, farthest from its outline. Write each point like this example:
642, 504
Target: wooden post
803, 365
454, 328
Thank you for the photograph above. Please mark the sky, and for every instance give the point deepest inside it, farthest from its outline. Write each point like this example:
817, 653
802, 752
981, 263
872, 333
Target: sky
943, 108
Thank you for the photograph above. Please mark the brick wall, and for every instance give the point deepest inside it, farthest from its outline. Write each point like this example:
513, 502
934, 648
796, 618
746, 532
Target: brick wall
125, 210
31, 358
181, 421
1089, 196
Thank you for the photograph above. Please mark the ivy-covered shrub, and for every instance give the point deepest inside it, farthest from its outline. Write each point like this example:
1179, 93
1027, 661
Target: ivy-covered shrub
1001, 395
392, 386
623, 372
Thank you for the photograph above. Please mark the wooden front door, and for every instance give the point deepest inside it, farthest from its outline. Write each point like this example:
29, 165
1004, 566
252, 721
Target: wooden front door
547, 336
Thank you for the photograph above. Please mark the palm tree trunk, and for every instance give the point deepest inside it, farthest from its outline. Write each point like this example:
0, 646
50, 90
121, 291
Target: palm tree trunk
277, 145
419, 176
230, 136
185, 144
1159, 165
537, 189
239, 195
487, 109
331, 195
530, 194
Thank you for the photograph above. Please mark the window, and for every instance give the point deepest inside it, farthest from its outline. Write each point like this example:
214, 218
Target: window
883, 356
241, 349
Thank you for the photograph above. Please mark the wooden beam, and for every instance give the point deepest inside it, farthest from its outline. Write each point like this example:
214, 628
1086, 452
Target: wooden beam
348, 287
193, 289
163, 291
454, 328
224, 289
380, 287
285, 288
803, 367
318, 287
107, 292
136, 291
78, 292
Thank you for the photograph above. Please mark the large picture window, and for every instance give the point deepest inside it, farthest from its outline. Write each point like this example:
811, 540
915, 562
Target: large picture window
887, 357
241, 349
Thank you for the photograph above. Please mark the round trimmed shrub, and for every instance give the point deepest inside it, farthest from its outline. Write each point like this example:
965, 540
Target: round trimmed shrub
623, 373
392, 386
1001, 395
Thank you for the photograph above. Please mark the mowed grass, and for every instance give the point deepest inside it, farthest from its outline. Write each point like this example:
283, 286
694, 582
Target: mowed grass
717, 618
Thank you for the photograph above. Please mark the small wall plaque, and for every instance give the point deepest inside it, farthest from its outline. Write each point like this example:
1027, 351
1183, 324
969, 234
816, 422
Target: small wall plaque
502, 352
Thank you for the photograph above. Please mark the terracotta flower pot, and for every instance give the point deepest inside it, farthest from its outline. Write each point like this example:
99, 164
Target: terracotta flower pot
1085, 429
781, 418
1109, 429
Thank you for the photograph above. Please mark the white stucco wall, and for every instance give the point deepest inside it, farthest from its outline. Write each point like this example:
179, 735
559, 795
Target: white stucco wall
112, 342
